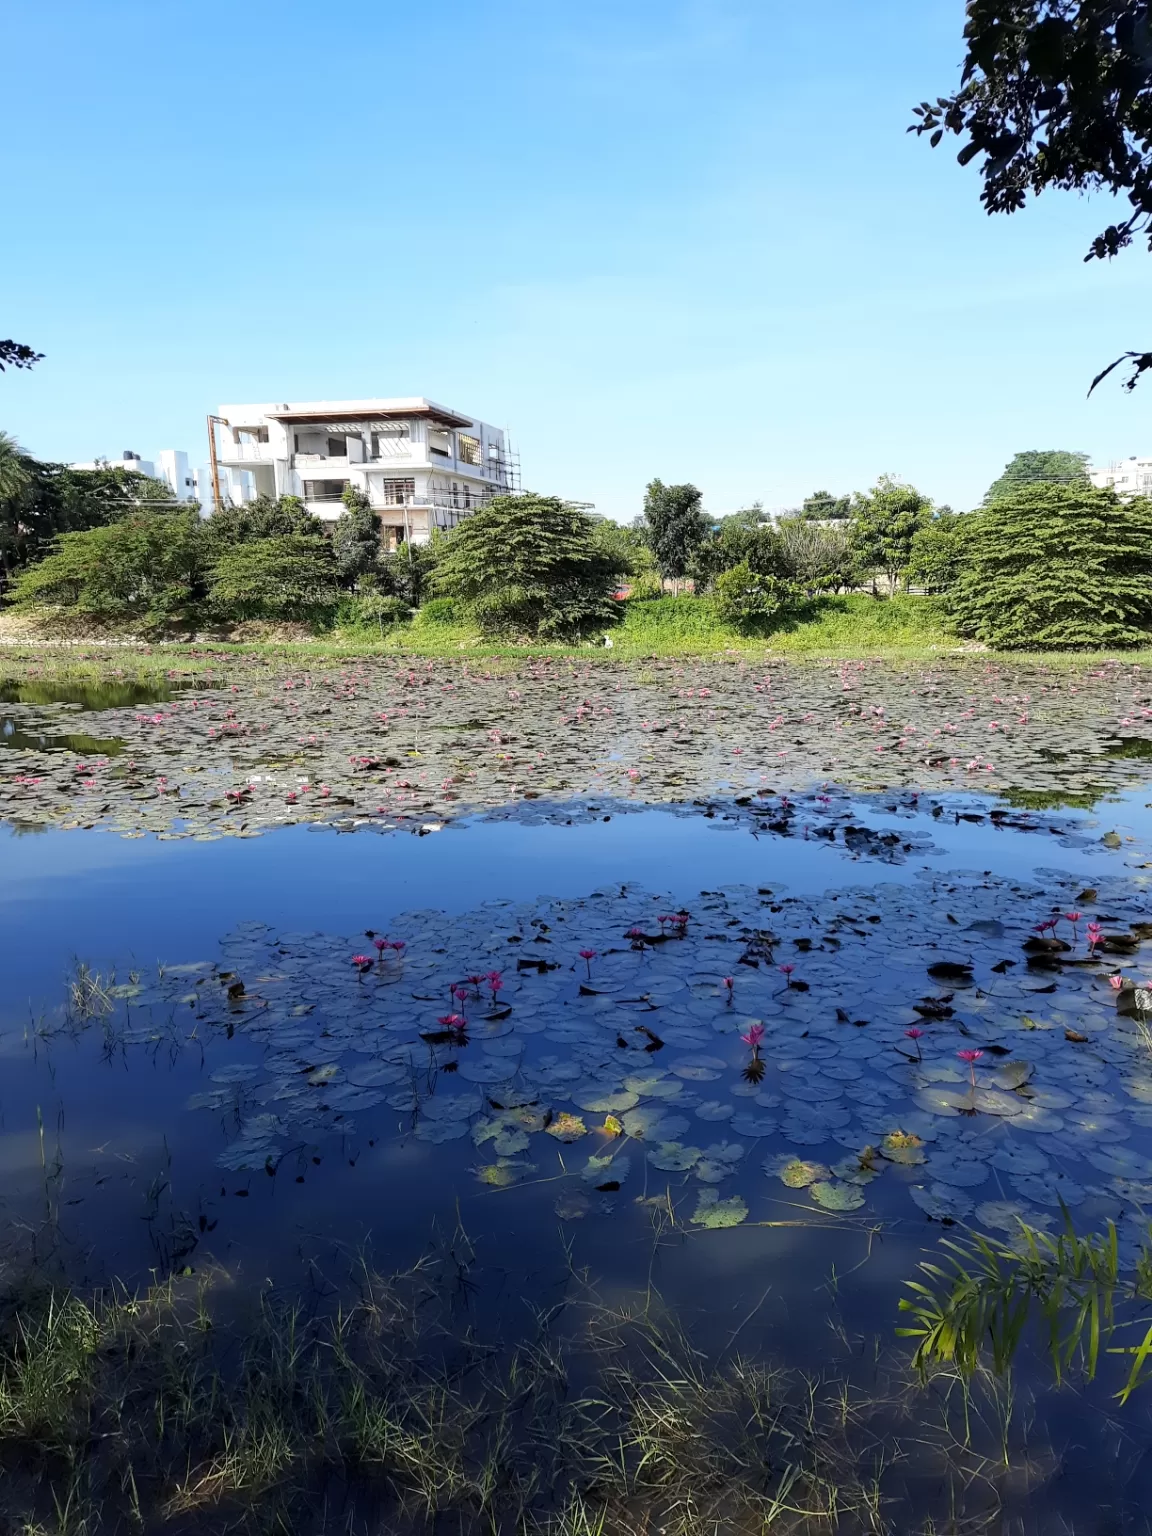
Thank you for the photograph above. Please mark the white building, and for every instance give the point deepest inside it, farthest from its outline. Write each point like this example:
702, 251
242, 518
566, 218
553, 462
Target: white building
171, 465
1127, 477
422, 466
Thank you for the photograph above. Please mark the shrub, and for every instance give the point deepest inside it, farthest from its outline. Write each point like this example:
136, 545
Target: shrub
437, 610
818, 555
1056, 566
529, 565
370, 610
148, 567
277, 578
749, 601
265, 517
743, 538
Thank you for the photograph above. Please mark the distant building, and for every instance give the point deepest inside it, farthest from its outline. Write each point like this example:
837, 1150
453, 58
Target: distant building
171, 466
421, 465
1127, 477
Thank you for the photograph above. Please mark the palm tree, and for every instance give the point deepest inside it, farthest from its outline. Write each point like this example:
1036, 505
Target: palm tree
15, 469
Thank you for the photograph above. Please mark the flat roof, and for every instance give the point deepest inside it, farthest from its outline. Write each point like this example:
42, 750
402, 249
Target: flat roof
353, 410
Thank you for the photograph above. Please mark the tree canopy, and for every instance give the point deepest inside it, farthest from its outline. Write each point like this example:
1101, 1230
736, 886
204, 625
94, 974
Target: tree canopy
822, 506
1054, 466
676, 526
1057, 93
16, 354
1056, 566
356, 538
884, 522
265, 517
530, 565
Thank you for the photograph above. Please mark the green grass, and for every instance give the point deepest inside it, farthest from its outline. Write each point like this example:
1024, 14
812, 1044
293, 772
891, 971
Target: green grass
857, 626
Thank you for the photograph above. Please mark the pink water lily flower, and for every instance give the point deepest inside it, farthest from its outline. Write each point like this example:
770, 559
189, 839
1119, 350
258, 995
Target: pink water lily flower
455, 1021
971, 1057
915, 1034
754, 1036
1116, 982
588, 955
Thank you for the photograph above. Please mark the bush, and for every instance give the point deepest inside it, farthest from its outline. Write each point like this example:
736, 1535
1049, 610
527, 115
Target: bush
529, 565
743, 538
937, 550
749, 601
1056, 566
265, 517
436, 611
148, 567
278, 578
818, 555
370, 610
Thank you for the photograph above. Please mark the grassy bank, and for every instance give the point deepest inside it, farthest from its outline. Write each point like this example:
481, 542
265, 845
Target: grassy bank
903, 628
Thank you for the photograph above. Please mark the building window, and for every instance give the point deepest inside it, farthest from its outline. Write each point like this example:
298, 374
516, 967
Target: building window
390, 439
440, 444
469, 449
324, 490
398, 493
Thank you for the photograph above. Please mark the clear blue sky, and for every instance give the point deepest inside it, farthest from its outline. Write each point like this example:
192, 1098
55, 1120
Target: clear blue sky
684, 238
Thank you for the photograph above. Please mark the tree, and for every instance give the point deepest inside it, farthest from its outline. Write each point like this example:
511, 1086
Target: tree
147, 566
884, 522
407, 572
1056, 566
937, 551
1053, 465
265, 517
1057, 93
676, 526
356, 538
750, 601
529, 565
286, 577
822, 506
744, 538
44, 500
14, 354
819, 556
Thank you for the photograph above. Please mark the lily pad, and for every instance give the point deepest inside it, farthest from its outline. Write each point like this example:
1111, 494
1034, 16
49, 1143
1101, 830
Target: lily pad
712, 1212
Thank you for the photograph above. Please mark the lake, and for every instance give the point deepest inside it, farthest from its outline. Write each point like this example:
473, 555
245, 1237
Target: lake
592, 1036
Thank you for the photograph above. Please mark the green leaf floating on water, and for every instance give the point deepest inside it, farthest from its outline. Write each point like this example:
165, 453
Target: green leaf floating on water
566, 1127
713, 1212
504, 1173
607, 1172
672, 1157
797, 1173
836, 1197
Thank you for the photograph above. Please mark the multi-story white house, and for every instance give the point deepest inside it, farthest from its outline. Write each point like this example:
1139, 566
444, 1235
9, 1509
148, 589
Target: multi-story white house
422, 466
1127, 477
171, 465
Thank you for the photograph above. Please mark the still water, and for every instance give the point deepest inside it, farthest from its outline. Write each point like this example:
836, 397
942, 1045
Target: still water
352, 1099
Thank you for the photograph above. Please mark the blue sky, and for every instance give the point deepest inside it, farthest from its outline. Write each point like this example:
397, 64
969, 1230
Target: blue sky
675, 238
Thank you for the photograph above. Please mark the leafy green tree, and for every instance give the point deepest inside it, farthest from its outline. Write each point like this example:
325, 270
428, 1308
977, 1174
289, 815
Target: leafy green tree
742, 538
356, 538
265, 517
937, 551
1056, 93
818, 556
39, 501
1056, 566
676, 526
407, 572
1052, 465
287, 577
148, 567
822, 506
15, 354
750, 601
529, 565
884, 522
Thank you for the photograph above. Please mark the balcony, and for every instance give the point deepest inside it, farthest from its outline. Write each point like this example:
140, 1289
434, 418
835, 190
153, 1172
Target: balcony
244, 453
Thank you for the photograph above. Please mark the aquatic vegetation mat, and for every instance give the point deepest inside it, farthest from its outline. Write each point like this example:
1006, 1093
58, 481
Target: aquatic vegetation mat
377, 745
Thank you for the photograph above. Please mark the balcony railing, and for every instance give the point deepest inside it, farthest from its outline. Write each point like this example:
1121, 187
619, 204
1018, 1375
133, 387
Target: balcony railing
247, 453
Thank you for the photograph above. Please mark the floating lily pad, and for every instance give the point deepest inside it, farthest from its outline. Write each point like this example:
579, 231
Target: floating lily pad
835, 1196
712, 1212
671, 1157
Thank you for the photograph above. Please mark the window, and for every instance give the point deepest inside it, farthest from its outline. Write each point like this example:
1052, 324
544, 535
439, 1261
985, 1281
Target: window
469, 449
337, 447
440, 444
324, 490
398, 493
